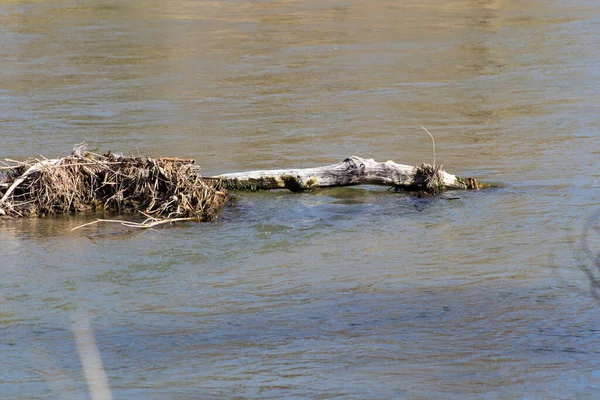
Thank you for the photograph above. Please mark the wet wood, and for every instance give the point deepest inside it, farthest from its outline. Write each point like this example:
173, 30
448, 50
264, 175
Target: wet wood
352, 171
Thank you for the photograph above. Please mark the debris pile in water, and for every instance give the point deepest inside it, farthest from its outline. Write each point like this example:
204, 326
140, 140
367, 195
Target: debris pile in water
160, 189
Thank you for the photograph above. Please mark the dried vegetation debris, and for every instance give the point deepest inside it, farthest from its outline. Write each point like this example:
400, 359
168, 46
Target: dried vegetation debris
161, 188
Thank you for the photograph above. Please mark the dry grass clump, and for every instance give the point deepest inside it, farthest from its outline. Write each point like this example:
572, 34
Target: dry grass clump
160, 189
430, 176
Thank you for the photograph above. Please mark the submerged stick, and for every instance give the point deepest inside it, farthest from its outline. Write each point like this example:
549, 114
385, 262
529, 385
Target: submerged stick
350, 172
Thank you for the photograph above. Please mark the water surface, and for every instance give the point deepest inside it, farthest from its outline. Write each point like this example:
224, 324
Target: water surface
348, 292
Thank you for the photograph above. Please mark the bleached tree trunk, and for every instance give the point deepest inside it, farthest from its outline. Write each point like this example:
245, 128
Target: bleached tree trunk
352, 171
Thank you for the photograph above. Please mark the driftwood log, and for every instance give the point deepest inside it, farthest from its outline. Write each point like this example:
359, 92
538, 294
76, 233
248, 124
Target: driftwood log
352, 171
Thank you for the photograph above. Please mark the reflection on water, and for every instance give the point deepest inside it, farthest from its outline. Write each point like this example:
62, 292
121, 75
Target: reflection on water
354, 292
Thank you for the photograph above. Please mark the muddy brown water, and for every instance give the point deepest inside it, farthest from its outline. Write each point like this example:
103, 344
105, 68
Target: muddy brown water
342, 293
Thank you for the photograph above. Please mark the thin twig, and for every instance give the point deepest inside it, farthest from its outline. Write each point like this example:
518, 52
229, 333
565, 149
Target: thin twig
140, 225
433, 142
15, 161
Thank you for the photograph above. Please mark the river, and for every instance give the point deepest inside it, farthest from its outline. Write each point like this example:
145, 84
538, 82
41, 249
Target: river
341, 293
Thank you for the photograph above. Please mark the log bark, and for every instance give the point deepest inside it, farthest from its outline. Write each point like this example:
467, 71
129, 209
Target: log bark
352, 171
